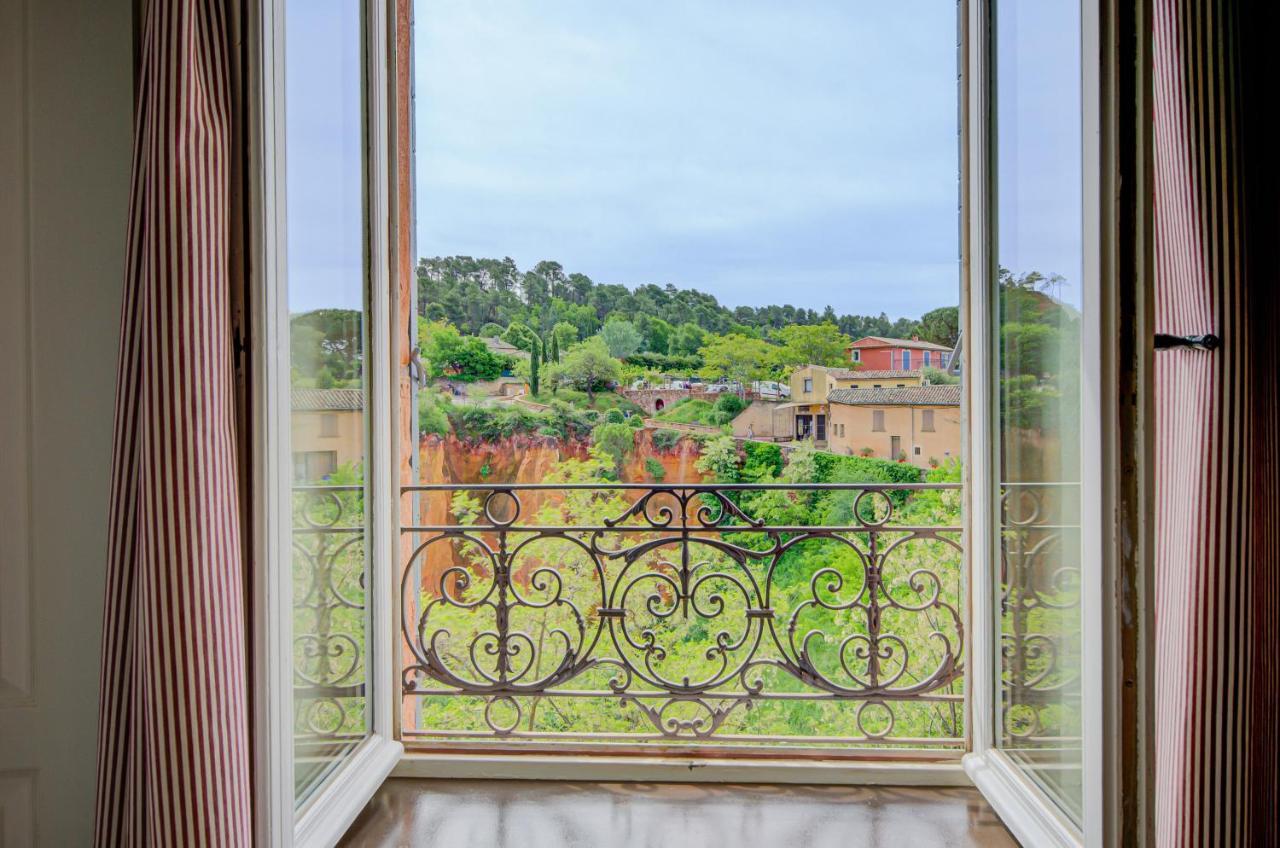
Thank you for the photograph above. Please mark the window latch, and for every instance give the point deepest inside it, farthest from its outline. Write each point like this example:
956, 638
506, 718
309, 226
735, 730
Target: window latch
1208, 341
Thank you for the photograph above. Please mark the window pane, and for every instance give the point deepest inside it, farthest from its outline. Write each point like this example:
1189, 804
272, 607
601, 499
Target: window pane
1037, 297
326, 231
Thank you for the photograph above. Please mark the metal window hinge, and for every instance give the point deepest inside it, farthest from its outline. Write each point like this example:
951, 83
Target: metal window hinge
1208, 341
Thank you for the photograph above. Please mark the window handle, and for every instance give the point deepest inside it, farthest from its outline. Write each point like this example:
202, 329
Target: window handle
1208, 341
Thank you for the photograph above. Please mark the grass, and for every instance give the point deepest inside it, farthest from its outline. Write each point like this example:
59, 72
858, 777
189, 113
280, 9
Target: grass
690, 411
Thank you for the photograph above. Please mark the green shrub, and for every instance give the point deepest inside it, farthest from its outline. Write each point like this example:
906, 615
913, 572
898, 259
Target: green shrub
654, 469
615, 416
432, 417
730, 404
635, 422
763, 460
665, 440
615, 439
688, 411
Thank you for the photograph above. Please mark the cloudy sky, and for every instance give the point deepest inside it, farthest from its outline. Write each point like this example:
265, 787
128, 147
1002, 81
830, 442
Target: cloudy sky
765, 152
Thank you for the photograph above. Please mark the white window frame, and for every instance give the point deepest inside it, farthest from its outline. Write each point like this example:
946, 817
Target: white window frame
1024, 807
327, 814
322, 821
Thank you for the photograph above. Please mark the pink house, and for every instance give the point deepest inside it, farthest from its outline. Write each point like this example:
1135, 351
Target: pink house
898, 354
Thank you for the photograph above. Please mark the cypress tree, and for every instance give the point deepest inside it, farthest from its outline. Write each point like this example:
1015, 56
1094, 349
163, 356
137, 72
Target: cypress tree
555, 348
535, 364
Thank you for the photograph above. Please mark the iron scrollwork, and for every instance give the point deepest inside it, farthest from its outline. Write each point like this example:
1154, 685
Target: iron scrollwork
682, 606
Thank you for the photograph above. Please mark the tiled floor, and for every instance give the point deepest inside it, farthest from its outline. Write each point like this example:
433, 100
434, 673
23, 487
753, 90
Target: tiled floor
534, 814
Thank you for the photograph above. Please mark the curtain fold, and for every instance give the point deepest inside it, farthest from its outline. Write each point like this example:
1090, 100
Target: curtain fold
1217, 430
173, 750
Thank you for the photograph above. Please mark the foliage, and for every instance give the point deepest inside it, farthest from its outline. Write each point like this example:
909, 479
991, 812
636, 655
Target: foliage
521, 335
719, 459
938, 377
615, 439
433, 413
940, 326
615, 416
480, 424
730, 404
463, 358
621, 337
666, 363
471, 292
588, 367
326, 339
535, 365
654, 469
736, 357
817, 344
666, 440
491, 331
687, 339
688, 411
761, 461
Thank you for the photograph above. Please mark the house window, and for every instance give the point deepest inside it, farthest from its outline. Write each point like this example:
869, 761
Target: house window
906, 360
917, 450
808, 384
944, 360
314, 466
926, 420
926, 359
877, 420
328, 425
857, 355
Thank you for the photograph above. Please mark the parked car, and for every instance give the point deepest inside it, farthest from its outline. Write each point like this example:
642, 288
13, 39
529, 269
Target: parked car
771, 389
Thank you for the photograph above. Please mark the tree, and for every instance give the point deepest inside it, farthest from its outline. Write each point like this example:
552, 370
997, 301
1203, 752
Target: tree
466, 358
621, 337
535, 362
941, 326
589, 367
687, 339
555, 347
818, 344
616, 439
520, 335
491, 331
736, 357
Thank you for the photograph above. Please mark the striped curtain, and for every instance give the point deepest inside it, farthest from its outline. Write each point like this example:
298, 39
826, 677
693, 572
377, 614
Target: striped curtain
1218, 430
173, 750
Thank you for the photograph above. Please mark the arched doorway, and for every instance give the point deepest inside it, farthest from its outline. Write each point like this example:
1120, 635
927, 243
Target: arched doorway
657, 405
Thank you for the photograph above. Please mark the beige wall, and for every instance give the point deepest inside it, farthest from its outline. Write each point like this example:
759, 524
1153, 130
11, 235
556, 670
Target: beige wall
849, 430
308, 434
824, 383
66, 117
821, 385
914, 378
765, 421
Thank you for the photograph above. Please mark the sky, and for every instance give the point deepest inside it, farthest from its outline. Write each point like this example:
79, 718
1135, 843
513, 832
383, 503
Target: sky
764, 152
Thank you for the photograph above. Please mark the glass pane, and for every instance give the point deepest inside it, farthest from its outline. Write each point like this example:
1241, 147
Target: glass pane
1038, 311
329, 390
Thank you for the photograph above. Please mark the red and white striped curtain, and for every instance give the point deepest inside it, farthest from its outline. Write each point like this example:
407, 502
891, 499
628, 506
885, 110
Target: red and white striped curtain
173, 750
1218, 431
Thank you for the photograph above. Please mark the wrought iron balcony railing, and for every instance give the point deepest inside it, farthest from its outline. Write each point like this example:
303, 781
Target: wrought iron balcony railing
821, 617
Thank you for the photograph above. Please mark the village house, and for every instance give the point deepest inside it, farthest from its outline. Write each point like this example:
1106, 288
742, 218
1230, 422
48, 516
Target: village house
805, 417
917, 424
327, 431
876, 352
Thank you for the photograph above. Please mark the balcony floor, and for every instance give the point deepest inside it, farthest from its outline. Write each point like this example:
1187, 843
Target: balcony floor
530, 814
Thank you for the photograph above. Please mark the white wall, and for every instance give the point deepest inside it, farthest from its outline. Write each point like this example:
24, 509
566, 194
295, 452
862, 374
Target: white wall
66, 106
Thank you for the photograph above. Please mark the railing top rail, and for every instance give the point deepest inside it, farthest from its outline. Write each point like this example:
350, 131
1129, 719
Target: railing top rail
681, 487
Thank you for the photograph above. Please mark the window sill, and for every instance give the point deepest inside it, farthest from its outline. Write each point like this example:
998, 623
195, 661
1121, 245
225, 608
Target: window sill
680, 769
